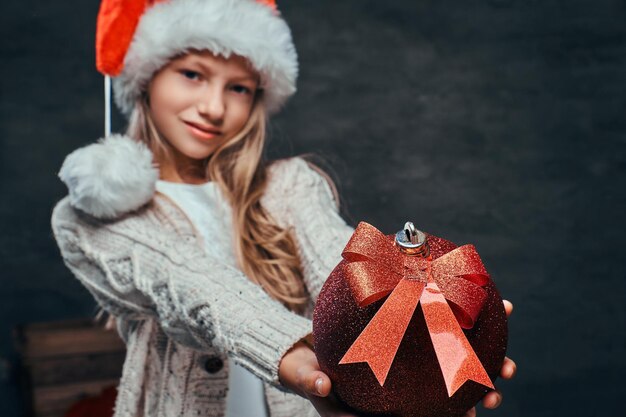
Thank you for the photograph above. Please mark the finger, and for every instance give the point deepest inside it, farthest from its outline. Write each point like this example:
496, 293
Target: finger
508, 307
509, 368
492, 399
314, 382
470, 413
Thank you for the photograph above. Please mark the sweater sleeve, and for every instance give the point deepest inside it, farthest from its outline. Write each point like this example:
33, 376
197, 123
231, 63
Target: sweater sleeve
309, 208
198, 300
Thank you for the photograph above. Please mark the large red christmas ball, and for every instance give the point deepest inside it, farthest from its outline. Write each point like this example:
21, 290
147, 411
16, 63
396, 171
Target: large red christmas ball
415, 386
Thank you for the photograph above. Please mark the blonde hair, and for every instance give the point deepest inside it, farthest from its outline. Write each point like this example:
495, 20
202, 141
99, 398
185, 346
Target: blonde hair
265, 252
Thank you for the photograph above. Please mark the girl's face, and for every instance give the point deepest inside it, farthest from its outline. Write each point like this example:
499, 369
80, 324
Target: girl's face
199, 101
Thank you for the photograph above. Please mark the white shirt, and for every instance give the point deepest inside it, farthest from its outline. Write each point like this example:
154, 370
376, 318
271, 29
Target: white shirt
211, 214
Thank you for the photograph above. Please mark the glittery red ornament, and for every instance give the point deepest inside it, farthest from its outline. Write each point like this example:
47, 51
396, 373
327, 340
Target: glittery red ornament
420, 335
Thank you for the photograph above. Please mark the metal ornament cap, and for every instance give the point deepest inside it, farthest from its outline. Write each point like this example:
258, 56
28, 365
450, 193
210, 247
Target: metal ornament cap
412, 241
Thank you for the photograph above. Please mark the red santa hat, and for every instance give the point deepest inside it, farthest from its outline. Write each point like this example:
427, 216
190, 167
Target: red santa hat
135, 38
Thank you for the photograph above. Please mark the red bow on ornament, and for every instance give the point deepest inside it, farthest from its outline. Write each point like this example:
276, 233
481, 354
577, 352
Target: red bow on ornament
449, 289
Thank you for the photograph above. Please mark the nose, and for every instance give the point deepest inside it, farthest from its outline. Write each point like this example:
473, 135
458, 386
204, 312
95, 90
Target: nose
211, 104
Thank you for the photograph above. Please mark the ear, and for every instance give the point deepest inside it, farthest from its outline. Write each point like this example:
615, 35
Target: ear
111, 177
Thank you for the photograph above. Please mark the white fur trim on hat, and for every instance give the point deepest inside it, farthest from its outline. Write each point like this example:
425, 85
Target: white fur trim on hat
111, 177
224, 27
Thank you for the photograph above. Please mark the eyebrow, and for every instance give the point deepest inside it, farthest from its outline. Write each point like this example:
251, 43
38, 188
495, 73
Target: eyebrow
244, 78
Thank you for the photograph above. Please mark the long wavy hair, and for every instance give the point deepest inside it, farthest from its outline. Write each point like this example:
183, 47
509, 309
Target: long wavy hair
265, 252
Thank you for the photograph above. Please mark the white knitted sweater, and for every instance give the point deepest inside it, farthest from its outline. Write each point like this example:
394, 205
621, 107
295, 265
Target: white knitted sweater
183, 314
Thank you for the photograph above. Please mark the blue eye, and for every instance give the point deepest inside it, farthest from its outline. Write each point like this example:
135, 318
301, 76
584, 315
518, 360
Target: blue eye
241, 89
192, 75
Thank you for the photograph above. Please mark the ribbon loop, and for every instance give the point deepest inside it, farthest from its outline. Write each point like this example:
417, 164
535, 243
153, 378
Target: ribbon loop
375, 282
368, 242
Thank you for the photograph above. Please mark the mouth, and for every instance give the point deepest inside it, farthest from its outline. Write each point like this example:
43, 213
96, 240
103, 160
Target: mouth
202, 131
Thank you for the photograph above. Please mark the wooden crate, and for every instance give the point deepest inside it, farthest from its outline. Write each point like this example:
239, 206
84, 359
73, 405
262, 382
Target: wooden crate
63, 362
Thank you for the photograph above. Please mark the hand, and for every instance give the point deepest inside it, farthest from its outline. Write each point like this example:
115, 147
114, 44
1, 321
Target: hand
494, 398
300, 372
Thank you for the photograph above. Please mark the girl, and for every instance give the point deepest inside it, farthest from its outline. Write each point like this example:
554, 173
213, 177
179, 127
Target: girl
209, 258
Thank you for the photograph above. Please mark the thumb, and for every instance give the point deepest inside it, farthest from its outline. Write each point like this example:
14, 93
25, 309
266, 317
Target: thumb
315, 382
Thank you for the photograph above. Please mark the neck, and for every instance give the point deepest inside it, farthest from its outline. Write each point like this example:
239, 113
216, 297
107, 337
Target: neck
187, 175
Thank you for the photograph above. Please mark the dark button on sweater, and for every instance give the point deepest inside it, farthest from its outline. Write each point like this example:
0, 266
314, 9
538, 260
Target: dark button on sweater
213, 364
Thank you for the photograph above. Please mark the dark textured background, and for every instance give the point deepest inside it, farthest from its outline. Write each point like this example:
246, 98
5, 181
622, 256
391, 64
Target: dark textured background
500, 123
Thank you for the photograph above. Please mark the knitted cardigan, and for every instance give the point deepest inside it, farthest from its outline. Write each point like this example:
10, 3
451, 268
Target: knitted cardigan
183, 314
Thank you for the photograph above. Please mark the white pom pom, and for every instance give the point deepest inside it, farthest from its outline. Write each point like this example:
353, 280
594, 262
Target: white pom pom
111, 177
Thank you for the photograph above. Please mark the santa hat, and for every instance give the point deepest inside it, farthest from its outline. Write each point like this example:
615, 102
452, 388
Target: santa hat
135, 38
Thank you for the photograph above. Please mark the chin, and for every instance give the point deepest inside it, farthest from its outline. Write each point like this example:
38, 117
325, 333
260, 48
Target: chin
198, 152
